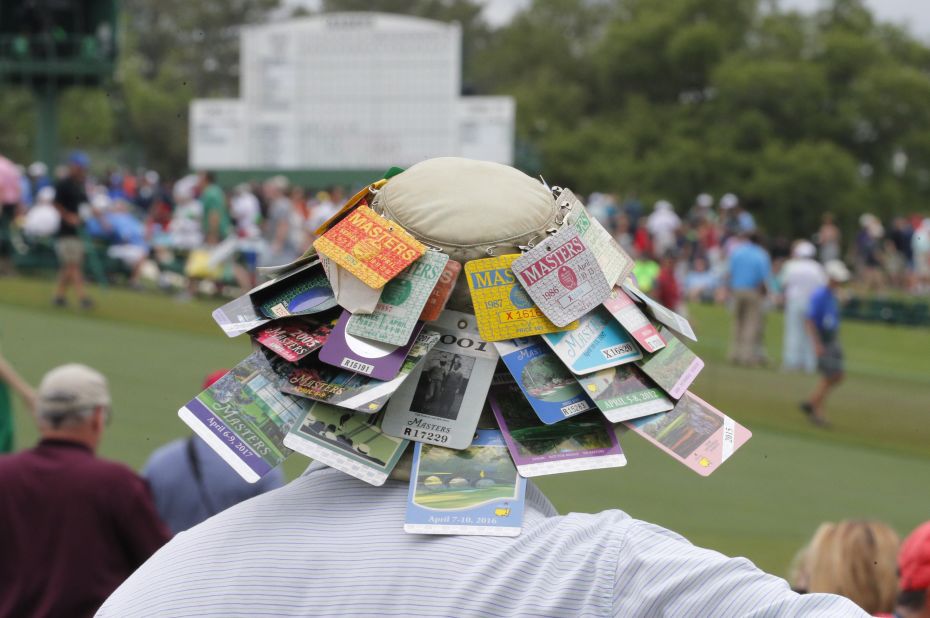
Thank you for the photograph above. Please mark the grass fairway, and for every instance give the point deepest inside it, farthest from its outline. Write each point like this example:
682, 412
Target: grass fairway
463, 498
762, 504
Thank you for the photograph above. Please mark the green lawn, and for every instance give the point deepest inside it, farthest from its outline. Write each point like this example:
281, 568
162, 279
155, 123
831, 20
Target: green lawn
762, 504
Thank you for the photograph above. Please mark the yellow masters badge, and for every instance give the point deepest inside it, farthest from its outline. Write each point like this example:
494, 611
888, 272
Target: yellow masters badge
503, 309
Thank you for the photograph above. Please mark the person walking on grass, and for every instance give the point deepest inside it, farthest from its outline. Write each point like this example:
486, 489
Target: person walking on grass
69, 196
823, 325
750, 268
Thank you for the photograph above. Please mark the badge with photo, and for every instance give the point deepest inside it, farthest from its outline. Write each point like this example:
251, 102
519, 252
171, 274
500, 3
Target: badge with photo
352, 443
443, 399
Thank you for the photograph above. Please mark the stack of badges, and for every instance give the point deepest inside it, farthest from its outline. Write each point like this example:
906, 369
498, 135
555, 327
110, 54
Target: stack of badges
355, 356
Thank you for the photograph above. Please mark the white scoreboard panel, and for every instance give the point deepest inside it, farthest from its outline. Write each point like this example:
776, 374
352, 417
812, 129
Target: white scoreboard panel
359, 91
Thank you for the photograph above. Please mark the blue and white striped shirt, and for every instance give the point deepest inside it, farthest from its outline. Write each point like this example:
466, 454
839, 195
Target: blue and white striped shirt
329, 545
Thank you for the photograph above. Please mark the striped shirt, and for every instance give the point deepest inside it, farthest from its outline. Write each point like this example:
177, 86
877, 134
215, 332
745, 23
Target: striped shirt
327, 544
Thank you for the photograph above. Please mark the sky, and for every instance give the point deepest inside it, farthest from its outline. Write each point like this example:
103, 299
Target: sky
915, 13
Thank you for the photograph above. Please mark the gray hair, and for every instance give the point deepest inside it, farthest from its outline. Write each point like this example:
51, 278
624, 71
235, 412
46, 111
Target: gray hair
59, 418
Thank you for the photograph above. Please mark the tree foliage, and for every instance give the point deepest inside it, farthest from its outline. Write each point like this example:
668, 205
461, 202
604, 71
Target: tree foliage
669, 98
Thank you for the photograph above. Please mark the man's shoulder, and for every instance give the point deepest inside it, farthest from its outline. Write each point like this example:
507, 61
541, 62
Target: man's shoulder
13, 462
112, 472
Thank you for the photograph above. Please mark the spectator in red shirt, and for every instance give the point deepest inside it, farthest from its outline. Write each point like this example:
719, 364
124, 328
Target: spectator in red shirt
72, 526
667, 290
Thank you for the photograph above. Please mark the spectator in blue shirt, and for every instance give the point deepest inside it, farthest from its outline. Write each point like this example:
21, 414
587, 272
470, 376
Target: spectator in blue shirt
750, 269
823, 324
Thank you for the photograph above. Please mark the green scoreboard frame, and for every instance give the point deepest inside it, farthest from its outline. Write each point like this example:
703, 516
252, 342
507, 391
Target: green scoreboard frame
49, 45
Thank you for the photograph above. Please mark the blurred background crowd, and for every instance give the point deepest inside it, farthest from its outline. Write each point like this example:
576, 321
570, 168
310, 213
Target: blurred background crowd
191, 236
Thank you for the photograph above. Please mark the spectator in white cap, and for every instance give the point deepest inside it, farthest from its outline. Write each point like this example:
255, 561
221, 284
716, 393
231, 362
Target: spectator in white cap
663, 223
702, 210
823, 325
800, 276
72, 526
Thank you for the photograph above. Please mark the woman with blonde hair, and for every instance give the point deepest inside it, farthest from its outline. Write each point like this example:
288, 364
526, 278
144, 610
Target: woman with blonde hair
853, 558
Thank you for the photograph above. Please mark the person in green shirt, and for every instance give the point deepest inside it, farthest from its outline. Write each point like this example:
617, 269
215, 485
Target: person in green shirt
10, 379
646, 270
216, 222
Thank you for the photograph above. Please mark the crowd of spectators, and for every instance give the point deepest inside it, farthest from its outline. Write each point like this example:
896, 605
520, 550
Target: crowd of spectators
166, 229
177, 233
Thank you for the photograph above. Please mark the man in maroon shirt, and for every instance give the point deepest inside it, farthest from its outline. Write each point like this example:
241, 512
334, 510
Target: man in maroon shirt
72, 526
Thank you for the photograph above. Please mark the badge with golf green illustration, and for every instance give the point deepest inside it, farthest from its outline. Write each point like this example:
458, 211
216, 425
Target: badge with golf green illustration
674, 367
244, 418
303, 295
550, 388
562, 276
352, 443
502, 307
401, 303
584, 442
624, 392
476, 491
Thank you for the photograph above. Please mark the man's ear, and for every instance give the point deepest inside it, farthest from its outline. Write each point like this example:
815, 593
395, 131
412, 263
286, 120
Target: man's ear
99, 418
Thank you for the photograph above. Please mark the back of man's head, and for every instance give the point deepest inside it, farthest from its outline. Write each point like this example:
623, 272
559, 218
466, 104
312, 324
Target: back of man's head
73, 402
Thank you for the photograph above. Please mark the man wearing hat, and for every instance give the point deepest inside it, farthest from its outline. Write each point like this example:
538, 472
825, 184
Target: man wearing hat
69, 195
801, 275
72, 526
328, 544
823, 324
914, 575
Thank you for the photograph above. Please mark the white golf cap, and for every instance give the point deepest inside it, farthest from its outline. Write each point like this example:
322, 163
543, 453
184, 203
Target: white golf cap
705, 200
71, 388
729, 201
804, 249
836, 271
